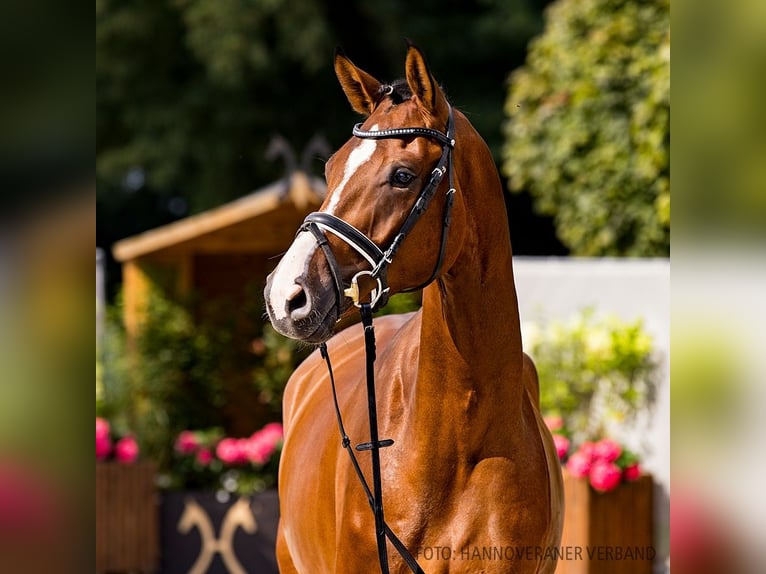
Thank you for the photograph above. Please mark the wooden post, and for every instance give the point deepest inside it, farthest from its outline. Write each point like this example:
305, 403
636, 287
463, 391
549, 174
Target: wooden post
607, 533
136, 287
127, 517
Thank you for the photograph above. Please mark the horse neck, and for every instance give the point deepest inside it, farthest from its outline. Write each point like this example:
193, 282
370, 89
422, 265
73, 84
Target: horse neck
470, 330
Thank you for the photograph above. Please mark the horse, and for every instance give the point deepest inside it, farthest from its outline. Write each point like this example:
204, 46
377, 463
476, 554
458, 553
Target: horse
472, 482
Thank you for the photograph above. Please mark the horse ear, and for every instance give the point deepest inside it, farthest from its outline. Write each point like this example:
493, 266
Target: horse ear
360, 88
422, 83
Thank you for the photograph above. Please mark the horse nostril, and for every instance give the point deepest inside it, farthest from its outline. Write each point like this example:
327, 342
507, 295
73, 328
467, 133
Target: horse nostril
297, 303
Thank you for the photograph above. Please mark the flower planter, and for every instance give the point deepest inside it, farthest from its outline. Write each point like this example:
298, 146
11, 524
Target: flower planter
201, 535
127, 531
607, 533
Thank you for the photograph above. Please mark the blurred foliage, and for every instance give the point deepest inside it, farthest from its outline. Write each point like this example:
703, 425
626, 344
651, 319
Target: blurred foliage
708, 374
403, 303
593, 371
190, 92
178, 372
280, 355
589, 128
721, 142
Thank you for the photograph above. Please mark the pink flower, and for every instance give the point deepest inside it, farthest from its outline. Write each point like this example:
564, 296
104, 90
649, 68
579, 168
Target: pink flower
186, 443
588, 450
562, 445
579, 464
204, 456
607, 450
259, 451
102, 427
554, 423
263, 443
632, 472
604, 476
230, 451
274, 431
126, 450
103, 439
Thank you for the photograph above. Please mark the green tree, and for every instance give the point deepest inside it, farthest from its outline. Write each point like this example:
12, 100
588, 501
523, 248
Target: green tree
588, 134
190, 92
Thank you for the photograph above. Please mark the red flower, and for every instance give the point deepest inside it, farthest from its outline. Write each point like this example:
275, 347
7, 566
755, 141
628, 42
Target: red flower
607, 450
604, 476
230, 451
588, 449
126, 450
187, 443
562, 445
103, 439
204, 456
632, 472
263, 443
579, 464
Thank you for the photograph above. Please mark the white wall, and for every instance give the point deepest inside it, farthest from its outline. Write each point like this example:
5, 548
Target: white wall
557, 288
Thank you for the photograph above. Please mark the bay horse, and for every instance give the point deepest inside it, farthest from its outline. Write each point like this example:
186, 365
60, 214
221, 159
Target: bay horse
472, 482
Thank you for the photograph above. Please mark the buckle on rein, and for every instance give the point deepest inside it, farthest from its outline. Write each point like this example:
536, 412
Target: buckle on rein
371, 287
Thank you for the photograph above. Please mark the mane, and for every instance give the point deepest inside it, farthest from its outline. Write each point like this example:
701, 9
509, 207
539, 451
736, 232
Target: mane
398, 90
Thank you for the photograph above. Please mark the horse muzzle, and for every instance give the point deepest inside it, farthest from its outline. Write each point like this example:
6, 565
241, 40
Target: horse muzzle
300, 301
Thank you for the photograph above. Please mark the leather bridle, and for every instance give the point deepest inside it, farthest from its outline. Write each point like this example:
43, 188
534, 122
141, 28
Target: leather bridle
319, 223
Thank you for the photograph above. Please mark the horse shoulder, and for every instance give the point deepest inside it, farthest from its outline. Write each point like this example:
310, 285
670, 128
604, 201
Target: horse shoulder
347, 354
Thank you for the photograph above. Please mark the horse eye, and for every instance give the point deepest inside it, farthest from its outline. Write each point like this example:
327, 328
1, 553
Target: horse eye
401, 178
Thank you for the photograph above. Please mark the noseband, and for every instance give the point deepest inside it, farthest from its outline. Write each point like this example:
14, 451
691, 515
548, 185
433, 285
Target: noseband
318, 223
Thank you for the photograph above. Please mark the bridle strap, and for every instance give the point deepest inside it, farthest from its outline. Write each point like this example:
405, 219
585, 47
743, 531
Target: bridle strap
378, 259
375, 500
332, 263
349, 234
318, 223
445, 139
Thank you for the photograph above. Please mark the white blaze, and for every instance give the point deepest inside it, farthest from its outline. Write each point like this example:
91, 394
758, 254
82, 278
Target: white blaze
292, 266
294, 262
358, 156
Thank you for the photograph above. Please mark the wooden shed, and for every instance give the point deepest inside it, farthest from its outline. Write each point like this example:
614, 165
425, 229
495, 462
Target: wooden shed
217, 252
221, 255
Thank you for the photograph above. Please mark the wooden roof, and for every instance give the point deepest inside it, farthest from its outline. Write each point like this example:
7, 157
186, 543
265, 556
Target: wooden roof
264, 221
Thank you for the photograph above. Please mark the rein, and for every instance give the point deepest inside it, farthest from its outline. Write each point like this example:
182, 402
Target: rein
382, 530
318, 223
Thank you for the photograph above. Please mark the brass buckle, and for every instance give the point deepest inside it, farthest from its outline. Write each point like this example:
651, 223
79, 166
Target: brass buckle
371, 287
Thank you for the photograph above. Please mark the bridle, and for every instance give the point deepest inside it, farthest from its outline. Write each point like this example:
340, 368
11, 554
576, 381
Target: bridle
319, 223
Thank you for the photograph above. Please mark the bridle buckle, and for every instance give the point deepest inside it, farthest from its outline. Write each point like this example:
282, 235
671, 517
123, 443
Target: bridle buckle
373, 289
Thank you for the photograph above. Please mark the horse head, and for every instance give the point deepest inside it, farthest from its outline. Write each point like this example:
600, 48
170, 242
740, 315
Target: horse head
377, 184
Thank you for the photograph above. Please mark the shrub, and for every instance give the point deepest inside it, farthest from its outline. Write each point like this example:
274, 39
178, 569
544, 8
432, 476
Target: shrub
188, 367
588, 134
594, 372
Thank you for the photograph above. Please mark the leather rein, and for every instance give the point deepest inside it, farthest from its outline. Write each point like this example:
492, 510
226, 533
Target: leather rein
319, 223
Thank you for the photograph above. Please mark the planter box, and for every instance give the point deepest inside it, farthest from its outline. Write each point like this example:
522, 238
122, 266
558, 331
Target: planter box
607, 533
127, 522
201, 535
